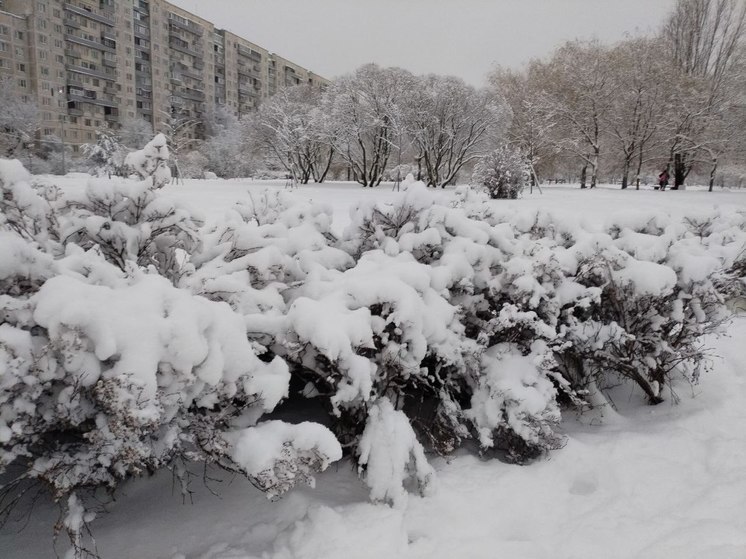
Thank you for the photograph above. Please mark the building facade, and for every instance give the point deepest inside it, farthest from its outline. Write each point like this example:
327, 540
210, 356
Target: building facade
96, 63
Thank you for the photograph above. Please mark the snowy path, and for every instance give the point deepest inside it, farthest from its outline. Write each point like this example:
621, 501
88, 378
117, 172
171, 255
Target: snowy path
656, 482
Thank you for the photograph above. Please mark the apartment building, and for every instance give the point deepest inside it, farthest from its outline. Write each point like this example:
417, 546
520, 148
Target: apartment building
93, 63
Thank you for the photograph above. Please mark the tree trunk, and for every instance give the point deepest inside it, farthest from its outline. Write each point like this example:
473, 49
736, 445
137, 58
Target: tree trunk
583, 173
639, 169
625, 172
712, 172
679, 171
594, 168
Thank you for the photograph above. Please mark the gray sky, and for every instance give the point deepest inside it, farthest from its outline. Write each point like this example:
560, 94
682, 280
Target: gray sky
460, 37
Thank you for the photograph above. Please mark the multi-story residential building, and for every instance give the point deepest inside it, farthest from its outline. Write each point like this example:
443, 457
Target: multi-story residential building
93, 63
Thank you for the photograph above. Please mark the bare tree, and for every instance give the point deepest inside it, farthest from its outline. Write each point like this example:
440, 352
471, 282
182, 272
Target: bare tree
577, 89
705, 40
364, 111
532, 122
639, 82
451, 124
291, 128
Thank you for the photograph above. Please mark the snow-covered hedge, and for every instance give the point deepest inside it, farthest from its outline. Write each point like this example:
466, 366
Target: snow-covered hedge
109, 370
134, 336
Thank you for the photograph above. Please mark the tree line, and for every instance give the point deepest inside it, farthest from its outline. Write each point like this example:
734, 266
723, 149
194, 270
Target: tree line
670, 100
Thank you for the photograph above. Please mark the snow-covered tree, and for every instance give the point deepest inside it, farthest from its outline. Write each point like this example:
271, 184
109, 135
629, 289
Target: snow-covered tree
705, 40
364, 112
577, 89
531, 123
19, 118
291, 129
450, 124
640, 78
135, 132
227, 147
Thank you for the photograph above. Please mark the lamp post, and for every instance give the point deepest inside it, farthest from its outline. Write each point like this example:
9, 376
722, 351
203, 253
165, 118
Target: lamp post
64, 116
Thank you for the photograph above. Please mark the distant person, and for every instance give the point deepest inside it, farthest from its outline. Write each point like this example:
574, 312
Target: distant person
663, 179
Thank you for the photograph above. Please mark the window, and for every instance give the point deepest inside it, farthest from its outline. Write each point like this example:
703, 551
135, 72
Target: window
4, 30
88, 122
3, 47
43, 39
21, 83
19, 35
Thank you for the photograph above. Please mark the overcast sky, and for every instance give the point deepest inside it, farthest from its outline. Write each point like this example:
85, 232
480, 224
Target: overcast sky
460, 37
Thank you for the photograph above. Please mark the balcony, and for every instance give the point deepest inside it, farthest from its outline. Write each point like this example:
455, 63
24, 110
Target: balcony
111, 117
87, 43
72, 111
107, 18
142, 32
193, 94
89, 72
70, 22
179, 46
189, 27
110, 89
110, 63
245, 51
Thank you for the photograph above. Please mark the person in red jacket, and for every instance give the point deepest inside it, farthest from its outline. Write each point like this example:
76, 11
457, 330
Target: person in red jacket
663, 179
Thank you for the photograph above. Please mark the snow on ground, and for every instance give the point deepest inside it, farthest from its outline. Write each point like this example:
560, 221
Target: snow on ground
212, 197
664, 482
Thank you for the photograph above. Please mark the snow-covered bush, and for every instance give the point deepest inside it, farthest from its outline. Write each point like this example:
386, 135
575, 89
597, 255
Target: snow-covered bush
503, 173
151, 161
507, 290
130, 223
105, 157
108, 370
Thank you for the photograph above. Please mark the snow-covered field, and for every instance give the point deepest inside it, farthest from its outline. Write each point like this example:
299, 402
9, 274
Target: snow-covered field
652, 482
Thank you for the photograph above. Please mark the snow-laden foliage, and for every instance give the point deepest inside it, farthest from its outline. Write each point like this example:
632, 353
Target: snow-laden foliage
503, 173
151, 161
128, 222
106, 157
390, 455
108, 370
134, 337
